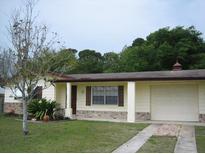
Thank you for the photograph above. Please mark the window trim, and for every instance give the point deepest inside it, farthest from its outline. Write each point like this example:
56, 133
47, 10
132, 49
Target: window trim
104, 96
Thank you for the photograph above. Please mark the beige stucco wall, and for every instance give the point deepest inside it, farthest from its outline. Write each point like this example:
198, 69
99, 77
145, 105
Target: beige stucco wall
202, 98
60, 93
142, 98
49, 93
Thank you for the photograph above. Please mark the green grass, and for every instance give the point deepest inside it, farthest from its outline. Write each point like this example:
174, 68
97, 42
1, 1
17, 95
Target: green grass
159, 144
200, 138
65, 136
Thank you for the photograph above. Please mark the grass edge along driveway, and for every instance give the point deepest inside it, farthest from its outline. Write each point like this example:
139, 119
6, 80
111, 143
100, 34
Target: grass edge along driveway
159, 144
65, 136
200, 138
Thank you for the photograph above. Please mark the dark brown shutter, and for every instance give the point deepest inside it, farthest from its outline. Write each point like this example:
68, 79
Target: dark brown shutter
88, 95
38, 92
121, 96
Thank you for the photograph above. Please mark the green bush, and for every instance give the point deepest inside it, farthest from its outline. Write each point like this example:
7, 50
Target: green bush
41, 107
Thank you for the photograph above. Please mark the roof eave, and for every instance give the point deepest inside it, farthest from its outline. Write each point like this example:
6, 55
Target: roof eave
131, 79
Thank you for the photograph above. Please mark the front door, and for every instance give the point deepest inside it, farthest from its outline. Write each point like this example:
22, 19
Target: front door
73, 99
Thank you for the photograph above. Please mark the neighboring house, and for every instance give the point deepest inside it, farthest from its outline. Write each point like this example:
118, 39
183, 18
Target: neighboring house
1, 99
177, 95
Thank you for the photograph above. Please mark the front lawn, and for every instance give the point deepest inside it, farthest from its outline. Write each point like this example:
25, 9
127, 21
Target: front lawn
200, 138
159, 144
65, 136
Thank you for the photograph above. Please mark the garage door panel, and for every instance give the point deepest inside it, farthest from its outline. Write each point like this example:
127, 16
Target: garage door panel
174, 102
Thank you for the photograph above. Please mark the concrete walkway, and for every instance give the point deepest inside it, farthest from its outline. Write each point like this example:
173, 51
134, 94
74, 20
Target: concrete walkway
134, 144
186, 142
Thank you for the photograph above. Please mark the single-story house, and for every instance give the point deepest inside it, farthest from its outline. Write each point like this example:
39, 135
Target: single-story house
176, 95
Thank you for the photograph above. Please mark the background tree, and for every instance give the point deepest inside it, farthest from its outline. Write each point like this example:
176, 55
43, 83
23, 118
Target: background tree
139, 58
161, 49
24, 63
111, 62
60, 64
138, 42
185, 43
89, 61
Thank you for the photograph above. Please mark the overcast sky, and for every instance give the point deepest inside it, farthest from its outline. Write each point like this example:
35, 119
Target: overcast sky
108, 25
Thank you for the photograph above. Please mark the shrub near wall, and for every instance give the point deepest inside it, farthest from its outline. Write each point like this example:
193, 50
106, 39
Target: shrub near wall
41, 108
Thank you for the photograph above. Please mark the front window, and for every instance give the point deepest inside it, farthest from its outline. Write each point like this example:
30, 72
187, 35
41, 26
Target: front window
105, 95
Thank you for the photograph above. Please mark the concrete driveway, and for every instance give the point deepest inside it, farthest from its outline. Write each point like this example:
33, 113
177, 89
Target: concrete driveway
186, 142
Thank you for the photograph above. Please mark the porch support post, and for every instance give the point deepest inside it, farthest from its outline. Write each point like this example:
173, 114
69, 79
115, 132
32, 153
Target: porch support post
131, 102
68, 109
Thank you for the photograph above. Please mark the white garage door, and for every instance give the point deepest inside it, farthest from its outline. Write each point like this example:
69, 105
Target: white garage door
174, 102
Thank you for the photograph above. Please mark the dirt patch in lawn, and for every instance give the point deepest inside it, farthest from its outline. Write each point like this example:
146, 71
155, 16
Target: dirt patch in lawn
168, 130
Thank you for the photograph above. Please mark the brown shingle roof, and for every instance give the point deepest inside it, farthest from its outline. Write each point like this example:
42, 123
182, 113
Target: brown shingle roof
135, 76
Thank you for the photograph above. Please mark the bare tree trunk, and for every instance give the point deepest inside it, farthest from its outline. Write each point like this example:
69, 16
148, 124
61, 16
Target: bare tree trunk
25, 116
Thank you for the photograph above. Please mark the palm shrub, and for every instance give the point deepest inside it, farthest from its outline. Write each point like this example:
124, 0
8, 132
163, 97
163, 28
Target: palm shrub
41, 107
